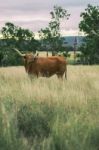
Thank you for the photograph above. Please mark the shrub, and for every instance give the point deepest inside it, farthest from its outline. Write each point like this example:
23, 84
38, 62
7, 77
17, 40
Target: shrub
34, 120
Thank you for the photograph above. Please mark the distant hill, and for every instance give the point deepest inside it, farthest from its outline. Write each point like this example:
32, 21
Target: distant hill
70, 40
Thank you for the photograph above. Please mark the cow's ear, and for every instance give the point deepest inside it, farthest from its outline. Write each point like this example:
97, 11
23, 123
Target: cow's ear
24, 57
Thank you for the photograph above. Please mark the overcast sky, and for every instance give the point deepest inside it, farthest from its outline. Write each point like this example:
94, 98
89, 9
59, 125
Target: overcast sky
35, 14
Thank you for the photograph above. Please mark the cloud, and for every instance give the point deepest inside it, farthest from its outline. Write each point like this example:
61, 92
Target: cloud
36, 5
35, 14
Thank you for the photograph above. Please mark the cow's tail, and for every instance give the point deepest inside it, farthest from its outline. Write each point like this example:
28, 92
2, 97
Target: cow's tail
66, 73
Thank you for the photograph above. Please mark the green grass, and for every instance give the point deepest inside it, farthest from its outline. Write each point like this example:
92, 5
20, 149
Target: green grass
47, 113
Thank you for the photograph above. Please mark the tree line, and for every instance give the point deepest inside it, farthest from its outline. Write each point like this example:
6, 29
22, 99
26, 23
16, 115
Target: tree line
50, 38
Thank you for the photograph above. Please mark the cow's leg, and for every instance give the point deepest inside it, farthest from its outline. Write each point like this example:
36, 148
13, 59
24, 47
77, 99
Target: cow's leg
33, 76
60, 76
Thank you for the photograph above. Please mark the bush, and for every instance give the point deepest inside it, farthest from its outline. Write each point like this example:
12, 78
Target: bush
9, 57
34, 120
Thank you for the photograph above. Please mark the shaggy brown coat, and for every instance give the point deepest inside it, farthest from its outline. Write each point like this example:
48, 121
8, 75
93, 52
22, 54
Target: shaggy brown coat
45, 66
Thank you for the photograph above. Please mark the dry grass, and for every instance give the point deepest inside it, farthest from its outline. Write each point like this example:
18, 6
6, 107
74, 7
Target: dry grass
82, 84
79, 93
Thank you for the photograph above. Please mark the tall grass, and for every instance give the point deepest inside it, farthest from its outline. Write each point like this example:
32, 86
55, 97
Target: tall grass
47, 113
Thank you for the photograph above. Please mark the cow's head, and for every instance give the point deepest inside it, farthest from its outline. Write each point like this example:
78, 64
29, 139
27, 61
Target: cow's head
28, 58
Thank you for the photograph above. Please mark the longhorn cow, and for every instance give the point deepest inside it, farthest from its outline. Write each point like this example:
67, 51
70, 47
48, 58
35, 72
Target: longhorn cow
44, 66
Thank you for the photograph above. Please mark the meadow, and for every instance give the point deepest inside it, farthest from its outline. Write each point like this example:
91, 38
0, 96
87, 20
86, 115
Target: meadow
48, 113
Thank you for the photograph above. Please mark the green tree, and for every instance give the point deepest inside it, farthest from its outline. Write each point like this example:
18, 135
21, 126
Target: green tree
14, 36
9, 31
50, 36
90, 25
18, 37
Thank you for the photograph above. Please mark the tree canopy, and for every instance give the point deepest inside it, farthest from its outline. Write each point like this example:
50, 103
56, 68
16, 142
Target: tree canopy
50, 36
18, 37
90, 25
15, 36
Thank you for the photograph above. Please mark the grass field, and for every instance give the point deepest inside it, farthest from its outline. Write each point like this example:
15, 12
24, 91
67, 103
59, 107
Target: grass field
47, 113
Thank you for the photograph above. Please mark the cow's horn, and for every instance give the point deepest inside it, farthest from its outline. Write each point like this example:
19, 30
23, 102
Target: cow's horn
19, 52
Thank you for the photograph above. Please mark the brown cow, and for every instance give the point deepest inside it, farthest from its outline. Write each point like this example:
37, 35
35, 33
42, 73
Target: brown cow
44, 66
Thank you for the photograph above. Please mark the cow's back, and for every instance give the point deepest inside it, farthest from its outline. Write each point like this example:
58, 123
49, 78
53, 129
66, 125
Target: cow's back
48, 66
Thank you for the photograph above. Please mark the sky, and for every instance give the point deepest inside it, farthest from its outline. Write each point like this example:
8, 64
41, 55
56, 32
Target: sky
35, 14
